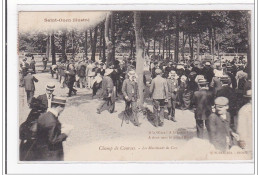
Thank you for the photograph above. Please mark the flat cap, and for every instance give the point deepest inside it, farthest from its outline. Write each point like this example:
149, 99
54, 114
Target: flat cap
221, 101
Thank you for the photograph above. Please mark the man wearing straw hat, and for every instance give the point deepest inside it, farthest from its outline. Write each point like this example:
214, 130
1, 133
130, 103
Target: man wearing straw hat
130, 93
50, 132
203, 102
172, 83
107, 93
159, 93
48, 96
29, 86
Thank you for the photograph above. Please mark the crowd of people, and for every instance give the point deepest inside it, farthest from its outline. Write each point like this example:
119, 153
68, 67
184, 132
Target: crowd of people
219, 93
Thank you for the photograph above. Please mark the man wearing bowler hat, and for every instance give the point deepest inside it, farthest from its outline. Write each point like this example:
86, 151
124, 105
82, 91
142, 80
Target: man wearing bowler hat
50, 133
29, 86
48, 96
203, 101
159, 93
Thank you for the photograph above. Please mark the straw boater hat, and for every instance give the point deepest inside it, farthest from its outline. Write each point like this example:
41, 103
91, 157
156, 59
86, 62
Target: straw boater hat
221, 101
173, 73
50, 86
207, 63
108, 71
59, 100
248, 93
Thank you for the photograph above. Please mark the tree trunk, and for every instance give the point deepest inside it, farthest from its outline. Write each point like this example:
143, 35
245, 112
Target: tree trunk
154, 45
86, 44
72, 41
163, 43
213, 43
191, 46
113, 39
139, 54
63, 46
198, 48
249, 45
48, 46
100, 41
131, 48
94, 45
148, 49
176, 51
53, 50
104, 44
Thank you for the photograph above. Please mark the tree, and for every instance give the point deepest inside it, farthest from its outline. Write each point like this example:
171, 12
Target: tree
139, 54
93, 44
53, 53
63, 46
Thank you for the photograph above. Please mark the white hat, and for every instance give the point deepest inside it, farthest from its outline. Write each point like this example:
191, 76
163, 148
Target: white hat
207, 63
108, 71
50, 86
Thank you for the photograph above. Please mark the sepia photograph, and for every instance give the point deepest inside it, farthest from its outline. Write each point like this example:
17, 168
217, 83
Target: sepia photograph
135, 86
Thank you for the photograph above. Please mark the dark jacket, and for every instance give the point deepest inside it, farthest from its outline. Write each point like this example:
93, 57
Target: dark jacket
49, 138
203, 101
107, 86
219, 131
130, 89
29, 82
44, 100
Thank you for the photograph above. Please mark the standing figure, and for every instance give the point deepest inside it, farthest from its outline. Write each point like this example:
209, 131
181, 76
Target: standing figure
107, 93
44, 61
159, 93
71, 75
172, 83
219, 125
130, 93
51, 134
245, 124
32, 65
29, 86
47, 97
203, 101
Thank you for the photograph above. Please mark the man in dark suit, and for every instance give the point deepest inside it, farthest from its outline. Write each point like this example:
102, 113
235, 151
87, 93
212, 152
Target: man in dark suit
220, 131
47, 97
29, 86
130, 93
71, 74
50, 133
229, 93
203, 102
107, 93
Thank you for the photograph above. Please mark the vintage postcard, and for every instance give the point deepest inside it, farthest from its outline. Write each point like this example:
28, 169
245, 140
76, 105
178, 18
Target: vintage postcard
135, 85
